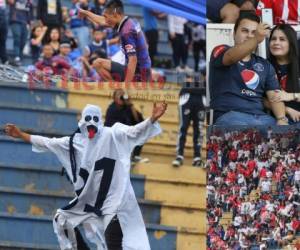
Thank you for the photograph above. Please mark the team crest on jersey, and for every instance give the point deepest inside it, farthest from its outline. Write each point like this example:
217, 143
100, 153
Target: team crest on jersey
129, 48
258, 67
251, 78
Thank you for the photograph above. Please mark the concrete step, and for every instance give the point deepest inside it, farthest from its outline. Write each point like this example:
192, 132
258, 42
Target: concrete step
15, 152
22, 228
166, 172
11, 245
190, 195
48, 179
164, 154
22, 94
38, 203
171, 214
44, 118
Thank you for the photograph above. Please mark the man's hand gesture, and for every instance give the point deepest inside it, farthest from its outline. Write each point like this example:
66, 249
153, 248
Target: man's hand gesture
262, 31
158, 110
13, 131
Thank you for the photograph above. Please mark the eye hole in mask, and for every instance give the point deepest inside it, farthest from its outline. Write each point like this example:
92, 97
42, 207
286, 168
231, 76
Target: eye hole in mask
89, 118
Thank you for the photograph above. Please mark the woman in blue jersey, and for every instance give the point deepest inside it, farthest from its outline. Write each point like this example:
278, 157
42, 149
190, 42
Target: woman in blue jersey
284, 55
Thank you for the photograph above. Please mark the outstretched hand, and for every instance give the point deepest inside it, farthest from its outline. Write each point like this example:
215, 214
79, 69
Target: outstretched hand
13, 131
158, 110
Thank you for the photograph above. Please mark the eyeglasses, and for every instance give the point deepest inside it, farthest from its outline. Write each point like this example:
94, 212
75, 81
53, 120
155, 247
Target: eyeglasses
89, 118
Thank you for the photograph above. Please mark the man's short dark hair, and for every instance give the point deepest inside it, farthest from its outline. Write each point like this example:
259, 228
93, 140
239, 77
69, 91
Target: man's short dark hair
246, 14
114, 6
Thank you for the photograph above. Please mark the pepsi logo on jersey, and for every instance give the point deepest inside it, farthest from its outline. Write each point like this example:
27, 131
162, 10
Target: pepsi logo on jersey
251, 78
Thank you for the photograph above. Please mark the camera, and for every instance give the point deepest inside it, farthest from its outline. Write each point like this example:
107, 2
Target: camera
124, 97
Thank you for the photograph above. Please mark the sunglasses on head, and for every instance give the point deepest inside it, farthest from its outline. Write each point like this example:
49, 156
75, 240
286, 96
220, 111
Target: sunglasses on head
89, 118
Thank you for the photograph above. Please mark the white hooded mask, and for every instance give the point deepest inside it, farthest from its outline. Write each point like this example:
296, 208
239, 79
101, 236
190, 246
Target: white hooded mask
91, 123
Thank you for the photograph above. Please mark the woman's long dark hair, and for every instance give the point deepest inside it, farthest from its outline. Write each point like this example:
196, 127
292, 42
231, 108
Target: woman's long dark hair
292, 85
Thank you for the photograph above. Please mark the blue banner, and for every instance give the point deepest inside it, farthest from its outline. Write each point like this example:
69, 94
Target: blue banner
193, 10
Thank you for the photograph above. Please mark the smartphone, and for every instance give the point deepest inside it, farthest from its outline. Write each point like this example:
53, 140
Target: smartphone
267, 16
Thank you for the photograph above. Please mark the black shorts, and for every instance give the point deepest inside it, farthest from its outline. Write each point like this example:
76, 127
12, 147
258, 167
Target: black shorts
118, 73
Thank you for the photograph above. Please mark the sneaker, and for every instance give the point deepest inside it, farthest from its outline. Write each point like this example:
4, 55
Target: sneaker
178, 161
137, 159
16, 62
197, 162
187, 69
179, 69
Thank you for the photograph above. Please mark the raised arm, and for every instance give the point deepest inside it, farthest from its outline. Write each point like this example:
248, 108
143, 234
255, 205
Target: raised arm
158, 110
96, 19
39, 143
143, 131
13, 131
240, 51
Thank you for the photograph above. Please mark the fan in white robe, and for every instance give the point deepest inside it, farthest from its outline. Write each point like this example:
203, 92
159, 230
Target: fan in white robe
101, 179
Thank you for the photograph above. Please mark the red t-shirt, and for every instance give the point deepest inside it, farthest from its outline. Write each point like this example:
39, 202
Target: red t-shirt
233, 154
283, 11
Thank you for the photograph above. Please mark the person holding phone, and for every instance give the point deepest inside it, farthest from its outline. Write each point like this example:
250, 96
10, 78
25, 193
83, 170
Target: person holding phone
239, 79
284, 53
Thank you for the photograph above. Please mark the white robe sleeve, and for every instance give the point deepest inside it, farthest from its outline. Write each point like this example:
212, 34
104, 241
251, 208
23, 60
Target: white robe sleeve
136, 135
41, 144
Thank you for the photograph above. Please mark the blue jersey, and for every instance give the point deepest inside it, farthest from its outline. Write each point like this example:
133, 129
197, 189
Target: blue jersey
240, 86
134, 43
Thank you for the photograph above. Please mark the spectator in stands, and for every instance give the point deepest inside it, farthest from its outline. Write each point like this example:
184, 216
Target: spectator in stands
270, 219
151, 31
49, 13
191, 108
98, 7
133, 42
122, 110
55, 40
284, 55
75, 51
228, 11
37, 34
46, 60
177, 39
62, 63
44, 66
239, 79
80, 26
99, 43
3, 30
20, 15
198, 42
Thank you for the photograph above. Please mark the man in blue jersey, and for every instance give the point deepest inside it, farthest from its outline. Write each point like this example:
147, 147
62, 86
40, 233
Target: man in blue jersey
240, 80
133, 43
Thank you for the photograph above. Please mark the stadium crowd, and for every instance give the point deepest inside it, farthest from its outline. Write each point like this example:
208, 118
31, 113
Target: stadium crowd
255, 177
62, 41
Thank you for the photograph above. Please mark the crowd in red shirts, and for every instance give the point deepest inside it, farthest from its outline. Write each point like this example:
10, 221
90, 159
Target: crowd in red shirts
256, 177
